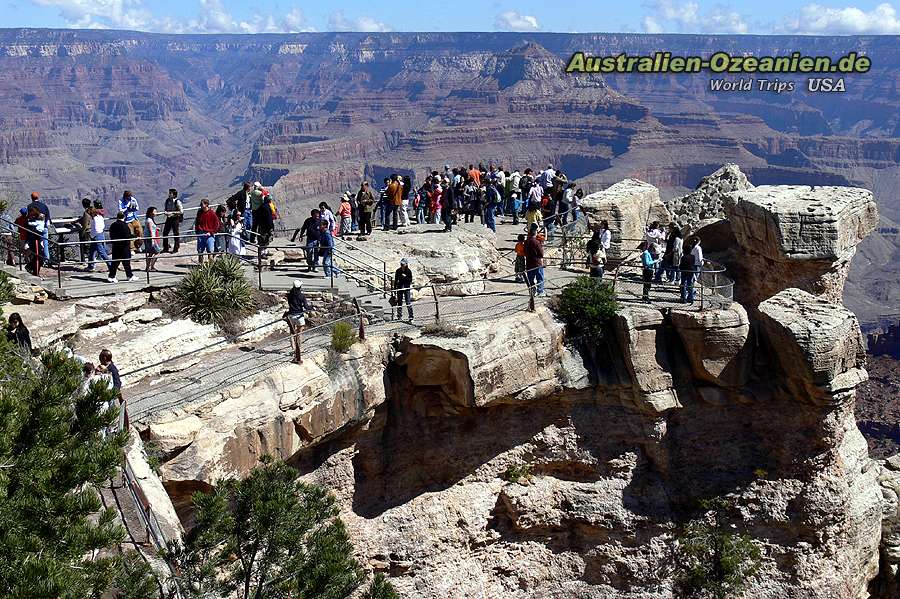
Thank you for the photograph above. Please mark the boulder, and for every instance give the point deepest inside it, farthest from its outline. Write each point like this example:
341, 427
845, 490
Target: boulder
488, 365
628, 206
641, 336
798, 236
278, 411
716, 342
707, 202
817, 344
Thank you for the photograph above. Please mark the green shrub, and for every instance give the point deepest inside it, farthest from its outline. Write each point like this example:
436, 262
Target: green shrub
518, 472
7, 289
342, 337
381, 589
586, 305
711, 559
216, 292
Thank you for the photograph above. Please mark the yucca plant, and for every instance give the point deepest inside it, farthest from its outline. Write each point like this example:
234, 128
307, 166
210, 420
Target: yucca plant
342, 337
215, 293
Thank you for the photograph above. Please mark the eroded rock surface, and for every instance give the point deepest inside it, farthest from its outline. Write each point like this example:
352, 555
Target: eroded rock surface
798, 236
628, 206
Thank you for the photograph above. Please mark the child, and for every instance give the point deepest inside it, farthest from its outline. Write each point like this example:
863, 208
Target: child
520, 258
151, 239
345, 211
235, 245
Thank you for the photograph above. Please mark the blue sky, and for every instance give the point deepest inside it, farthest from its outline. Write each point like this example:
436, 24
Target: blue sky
652, 16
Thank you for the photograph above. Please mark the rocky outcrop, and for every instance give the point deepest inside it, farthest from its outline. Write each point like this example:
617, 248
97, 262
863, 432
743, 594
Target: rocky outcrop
797, 236
717, 342
819, 344
707, 201
628, 206
641, 337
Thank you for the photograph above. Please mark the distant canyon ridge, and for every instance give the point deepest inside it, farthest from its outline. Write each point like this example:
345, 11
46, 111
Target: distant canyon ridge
90, 113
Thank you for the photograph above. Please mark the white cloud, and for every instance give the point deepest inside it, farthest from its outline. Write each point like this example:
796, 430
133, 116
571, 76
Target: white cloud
513, 21
213, 17
668, 16
339, 22
101, 14
817, 19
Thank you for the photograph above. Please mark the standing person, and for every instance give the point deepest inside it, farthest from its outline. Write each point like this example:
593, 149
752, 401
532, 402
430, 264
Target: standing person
648, 264
366, 202
222, 234
310, 229
520, 258
206, 225
596, 255
234, 244
120, 234
545, 179
128, 204
345, 211
108, 367
403, 280
298, 305
567, 204
383, 201
493, 202
534, 260
576, 203
17, 333
83, 225
152, 238
326, 215
691, 264
420, 201
264, 221
241, 202
354, 211
255, 199
38, 210
672, 254
395, 199
174, 216
326, 247
98, 237
448, 204
404, 200
533, 215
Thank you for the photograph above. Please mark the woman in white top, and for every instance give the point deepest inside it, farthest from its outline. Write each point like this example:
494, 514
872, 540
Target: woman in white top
235, 244
98, 238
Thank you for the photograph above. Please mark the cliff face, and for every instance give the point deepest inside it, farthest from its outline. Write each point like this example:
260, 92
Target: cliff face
513, 462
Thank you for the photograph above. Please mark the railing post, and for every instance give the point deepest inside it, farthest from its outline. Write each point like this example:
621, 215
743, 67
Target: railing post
384, 278
437, 305
530, 297
58, 273
362, 324
564, 261
331, 269
259, 264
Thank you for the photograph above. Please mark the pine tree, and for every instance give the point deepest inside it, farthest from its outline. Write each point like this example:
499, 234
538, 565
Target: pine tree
55, 540
269, 535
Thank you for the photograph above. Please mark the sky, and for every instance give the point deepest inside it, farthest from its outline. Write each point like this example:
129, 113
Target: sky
823, 17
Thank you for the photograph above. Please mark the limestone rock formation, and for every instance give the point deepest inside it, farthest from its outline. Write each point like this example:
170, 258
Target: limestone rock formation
707, 201
819, 345
717, 342
797, 236
629, 206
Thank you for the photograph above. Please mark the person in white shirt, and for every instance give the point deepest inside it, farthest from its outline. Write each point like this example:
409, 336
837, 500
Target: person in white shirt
605, 235
98, 238
691, 265
546, 177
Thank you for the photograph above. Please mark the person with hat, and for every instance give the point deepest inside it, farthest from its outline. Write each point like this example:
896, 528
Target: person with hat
365, 201
403, 288
345, 212
298, 305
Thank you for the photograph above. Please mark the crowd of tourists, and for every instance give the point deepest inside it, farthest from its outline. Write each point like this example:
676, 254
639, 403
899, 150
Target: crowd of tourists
542, 200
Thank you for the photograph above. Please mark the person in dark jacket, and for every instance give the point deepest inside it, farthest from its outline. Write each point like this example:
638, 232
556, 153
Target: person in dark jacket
17, 332
120, 238
534, 260
107, 367
298, 305
403, 288
310, 230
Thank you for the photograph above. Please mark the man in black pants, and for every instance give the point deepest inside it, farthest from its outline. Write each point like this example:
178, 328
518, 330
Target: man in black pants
403, 287
120, 238
174, 217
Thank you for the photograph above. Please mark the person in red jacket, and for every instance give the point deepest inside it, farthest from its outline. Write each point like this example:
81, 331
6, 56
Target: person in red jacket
206, 226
